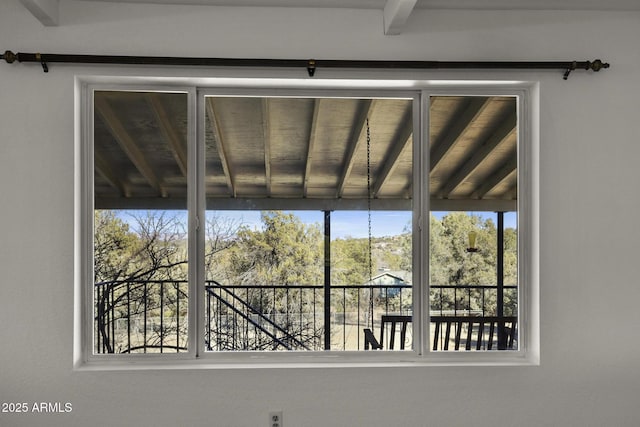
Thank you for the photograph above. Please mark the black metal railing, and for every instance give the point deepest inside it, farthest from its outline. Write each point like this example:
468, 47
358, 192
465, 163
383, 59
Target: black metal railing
140, 316
151, 316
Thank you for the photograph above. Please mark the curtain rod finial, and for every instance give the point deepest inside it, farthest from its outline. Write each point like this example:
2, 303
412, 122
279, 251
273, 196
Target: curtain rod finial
595, 65
9, 56
598, 65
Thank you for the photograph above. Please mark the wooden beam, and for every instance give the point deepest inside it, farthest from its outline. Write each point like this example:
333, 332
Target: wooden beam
256, 204
312, 142
127, 143
266, 132
365, 108
47, 11
512, 192
103, 168
474, 108
174, 140
309, 204
496, 178
506, 128
400, 141
466, 205
395, 15
217, 135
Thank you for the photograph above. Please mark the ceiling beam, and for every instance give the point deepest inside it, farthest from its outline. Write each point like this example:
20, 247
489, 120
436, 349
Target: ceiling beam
174, 140
127, 143
47, 11
364, 109
473, 109
310, 147
256, 204
496, 178
266, 132
103, 168
400, 141
490, 205
505, 129
217, 135
308, 204
395, 15
512, 192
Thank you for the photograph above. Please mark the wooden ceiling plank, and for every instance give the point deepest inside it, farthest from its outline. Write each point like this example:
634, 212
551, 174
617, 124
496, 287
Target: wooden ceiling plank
266, 131
512, 192
474, 108
398, 144
496, 178
503, 131
169, 131
310, 147
215, 128
104, 170
364, 110
127, 143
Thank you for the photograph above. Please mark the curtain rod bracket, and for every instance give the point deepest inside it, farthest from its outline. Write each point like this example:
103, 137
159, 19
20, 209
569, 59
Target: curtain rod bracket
45, 67
569, 70
311, 67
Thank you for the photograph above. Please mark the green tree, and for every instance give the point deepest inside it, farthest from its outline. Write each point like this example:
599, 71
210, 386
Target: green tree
451, 264
220, 236
350, 261
139, 268
284, 252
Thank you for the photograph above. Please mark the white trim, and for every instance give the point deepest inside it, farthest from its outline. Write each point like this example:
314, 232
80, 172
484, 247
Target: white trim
195, 234
421, 222
527, 94
419, 90
199, 207
85, 209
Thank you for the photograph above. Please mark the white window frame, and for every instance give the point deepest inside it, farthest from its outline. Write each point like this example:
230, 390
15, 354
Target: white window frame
527, 94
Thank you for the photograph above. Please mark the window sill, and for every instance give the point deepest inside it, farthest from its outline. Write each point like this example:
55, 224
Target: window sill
342, 360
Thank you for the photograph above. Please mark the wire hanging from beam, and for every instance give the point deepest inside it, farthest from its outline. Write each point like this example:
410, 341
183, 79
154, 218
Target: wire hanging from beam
311, 65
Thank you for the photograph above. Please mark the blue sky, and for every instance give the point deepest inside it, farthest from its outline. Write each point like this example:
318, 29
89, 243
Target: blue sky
343, 223
355, 223
346, 223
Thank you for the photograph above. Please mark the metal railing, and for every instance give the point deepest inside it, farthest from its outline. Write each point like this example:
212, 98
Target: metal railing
151, 316
140, 316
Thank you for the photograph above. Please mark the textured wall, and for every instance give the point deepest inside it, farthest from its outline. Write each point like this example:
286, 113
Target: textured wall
589, 374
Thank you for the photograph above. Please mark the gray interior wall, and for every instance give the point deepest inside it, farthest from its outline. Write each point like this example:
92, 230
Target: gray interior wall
589, 375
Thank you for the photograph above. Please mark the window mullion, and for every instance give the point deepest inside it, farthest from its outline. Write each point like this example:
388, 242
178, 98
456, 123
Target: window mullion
196, 217
421, 224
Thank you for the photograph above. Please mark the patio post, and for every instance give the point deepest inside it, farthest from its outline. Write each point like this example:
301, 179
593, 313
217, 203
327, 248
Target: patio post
327, 280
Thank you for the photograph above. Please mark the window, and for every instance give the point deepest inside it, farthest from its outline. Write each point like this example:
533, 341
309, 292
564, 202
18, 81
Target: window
222, 224
473, 274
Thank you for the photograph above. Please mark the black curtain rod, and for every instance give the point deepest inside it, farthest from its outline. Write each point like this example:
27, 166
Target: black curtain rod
310, 64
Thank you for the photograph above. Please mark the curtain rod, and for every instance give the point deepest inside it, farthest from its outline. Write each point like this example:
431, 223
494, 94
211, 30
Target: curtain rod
310, 64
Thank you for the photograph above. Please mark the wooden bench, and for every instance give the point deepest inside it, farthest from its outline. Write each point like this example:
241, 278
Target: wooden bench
391, 322
480, 333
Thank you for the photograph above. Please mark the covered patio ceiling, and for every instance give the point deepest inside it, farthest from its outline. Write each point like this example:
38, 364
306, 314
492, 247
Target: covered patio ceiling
304, 153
